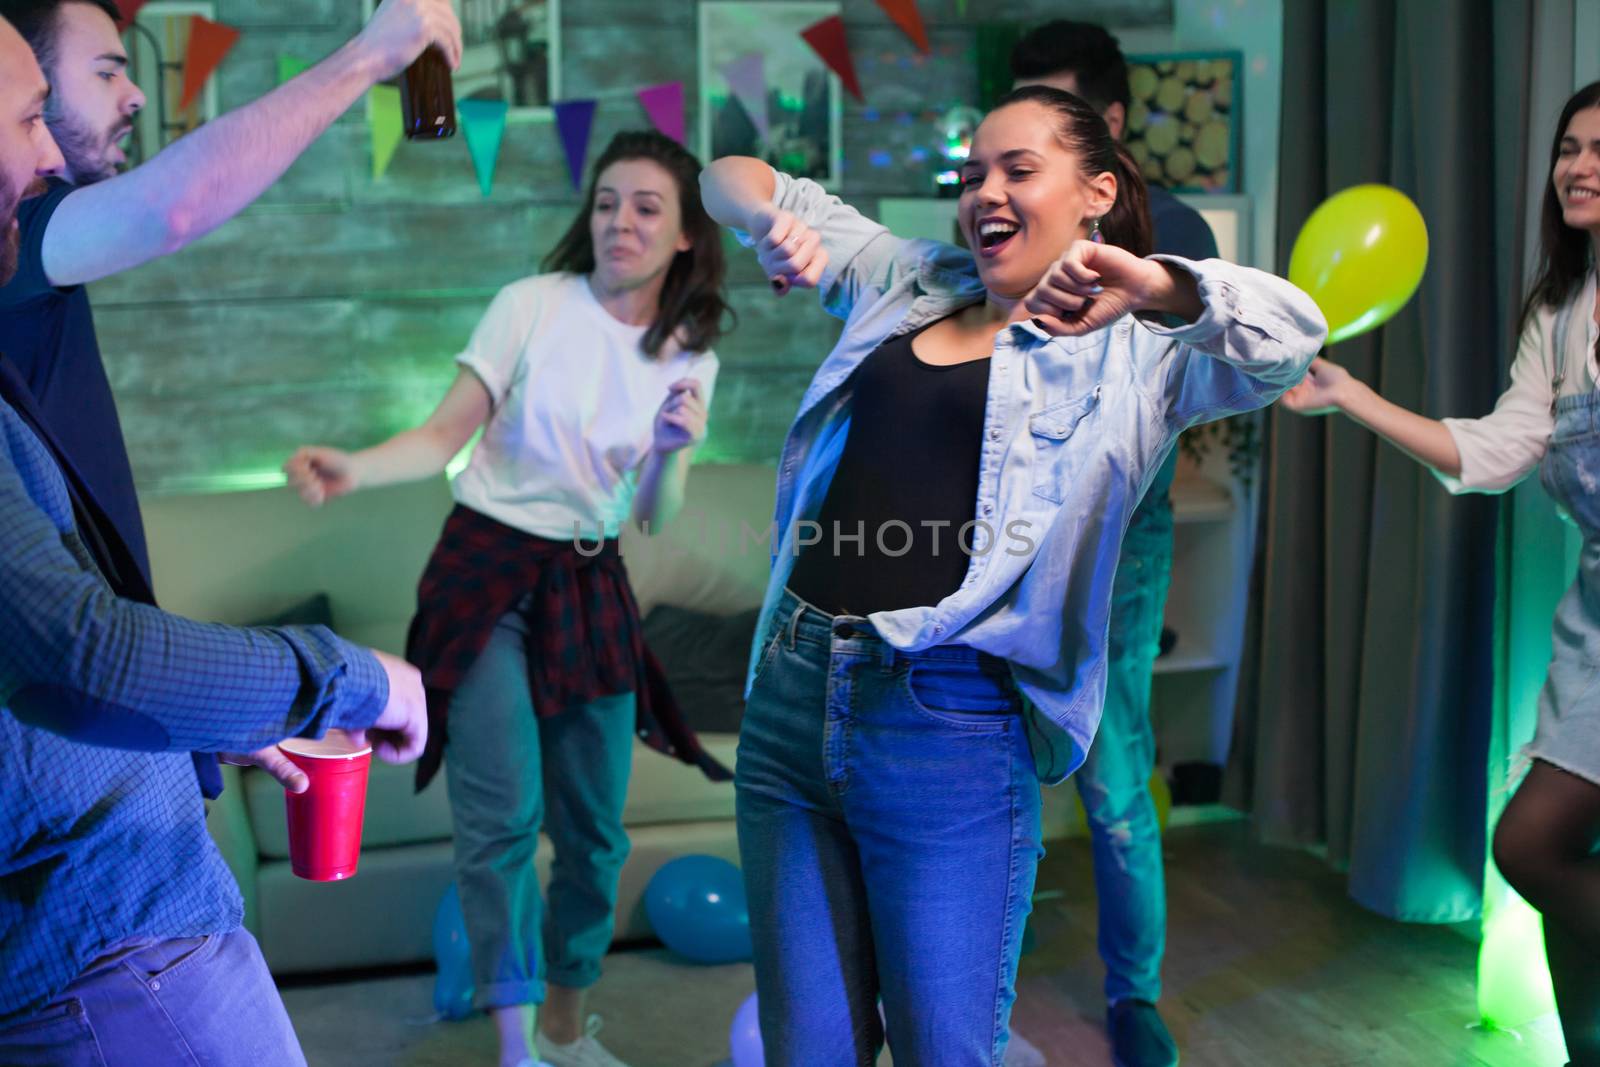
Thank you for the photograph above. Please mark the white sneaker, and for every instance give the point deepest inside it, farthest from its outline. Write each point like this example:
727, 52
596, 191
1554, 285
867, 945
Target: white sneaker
1021, 1053
584, 1052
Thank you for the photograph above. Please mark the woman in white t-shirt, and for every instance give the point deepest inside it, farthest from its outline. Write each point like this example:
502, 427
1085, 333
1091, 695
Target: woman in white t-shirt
1547, 841
592, 384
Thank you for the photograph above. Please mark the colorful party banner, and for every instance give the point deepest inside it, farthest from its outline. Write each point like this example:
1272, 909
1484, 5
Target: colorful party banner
827, 38
573, 120
664, 105
386, 124
291, 67
209, 42
908, 18
747, 80
129, 10
484, 123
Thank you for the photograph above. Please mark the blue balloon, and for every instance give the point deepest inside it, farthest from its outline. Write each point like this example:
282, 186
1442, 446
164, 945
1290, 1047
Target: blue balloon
744, 1038
452, 989
697, 906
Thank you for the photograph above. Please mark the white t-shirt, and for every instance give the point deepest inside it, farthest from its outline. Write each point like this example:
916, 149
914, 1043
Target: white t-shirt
575, 402
1500, 449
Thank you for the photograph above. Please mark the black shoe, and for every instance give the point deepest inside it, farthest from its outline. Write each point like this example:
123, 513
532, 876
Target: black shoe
1138, 1036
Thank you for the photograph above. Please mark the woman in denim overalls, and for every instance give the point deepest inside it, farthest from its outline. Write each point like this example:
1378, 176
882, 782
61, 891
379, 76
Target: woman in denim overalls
911, 684
1546, 842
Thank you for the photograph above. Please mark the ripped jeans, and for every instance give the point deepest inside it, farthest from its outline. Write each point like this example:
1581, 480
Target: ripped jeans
1114, 784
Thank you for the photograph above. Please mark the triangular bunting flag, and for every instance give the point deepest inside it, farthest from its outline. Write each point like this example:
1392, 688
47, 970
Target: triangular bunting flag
908, 18
291, 67
827, 38
747, 80
208, 43
129, 10
573, 119
387, 127
483, 122
664, 105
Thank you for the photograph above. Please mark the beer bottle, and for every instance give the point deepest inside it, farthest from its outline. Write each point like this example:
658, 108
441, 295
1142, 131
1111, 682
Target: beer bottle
427, 99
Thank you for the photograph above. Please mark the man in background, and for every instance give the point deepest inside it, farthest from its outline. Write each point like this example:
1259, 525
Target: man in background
1125, 836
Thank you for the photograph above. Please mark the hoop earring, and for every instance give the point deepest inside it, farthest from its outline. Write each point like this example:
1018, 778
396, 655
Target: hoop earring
1094, 233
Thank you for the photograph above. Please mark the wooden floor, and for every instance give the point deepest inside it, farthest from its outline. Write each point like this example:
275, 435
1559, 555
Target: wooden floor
1269, 964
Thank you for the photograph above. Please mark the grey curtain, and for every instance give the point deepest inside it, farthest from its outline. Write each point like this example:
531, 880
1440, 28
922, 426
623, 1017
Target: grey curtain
1367, 694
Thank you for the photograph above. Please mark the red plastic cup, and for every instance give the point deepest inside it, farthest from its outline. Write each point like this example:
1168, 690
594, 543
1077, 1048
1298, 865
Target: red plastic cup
325, 820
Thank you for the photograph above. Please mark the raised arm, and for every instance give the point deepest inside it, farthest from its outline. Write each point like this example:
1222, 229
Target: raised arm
1487, 455
206, 177
738, 192
804, 235
735, 189
1243, 337
680, 426
319, 473
1328, 387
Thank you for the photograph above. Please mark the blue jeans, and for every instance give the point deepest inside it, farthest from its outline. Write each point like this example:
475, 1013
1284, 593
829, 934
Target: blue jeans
511, 773
1114, 782
183, 1002
888, 817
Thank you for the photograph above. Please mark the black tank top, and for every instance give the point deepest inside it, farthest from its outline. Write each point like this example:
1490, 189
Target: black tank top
907, 484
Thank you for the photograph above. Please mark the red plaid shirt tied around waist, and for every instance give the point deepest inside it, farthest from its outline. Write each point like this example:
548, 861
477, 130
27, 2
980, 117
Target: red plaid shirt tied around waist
585, 640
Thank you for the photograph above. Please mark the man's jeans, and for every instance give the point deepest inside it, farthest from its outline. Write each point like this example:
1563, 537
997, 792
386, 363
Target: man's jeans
888, 815
186, 1002
512, 773
1114, 780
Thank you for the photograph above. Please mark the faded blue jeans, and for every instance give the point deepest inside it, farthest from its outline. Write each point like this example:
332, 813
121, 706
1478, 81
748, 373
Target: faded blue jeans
888, 815
511, 773
183, 1002
1114, 780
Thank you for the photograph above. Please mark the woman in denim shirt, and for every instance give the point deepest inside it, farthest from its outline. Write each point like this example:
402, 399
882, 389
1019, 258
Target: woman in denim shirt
950, 503
1546, 841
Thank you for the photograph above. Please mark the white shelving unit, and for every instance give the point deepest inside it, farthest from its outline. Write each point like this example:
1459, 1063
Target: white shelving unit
1192, 694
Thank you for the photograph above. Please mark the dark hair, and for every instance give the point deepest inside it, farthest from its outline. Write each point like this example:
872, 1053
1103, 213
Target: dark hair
1082, 131
1563, 251
35, 20
691, 297
1082, 49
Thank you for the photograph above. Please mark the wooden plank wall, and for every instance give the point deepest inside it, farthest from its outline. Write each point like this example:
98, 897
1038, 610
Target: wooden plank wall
330, 310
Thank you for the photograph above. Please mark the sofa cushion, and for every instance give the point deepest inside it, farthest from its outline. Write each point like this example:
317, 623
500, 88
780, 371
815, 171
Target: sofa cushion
384, 915
705, 657
715, 556
662, 790
239, 557
315, 610
235, 557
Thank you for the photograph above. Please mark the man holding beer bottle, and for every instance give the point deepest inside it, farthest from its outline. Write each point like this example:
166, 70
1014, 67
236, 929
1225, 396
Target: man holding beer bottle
94, 221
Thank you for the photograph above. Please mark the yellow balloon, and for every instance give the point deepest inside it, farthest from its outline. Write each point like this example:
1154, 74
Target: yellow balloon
1161, 793
1360, 256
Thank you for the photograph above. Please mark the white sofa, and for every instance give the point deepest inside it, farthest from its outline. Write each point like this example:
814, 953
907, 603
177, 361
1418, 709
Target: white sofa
242, 557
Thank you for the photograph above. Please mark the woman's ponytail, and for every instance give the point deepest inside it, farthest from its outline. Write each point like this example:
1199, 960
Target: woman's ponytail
1127, 225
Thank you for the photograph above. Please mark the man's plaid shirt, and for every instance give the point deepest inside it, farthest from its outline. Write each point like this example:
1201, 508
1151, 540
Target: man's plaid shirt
102, 699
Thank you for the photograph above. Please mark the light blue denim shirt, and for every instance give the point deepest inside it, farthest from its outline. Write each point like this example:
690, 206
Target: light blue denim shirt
1074, 430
